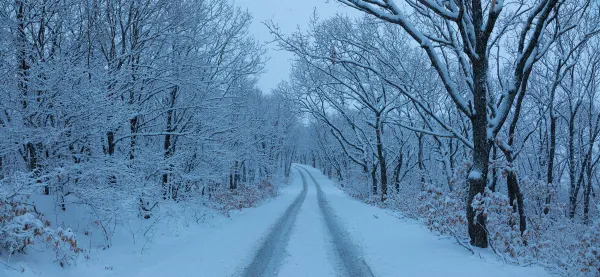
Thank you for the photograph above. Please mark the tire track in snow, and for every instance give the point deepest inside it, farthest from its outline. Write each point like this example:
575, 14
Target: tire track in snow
268, 258
347, 252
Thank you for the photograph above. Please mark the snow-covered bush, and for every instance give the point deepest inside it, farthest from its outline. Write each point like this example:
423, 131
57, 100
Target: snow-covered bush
502, 223
443, 212
588, 256
21, 225
565, 246
242, 197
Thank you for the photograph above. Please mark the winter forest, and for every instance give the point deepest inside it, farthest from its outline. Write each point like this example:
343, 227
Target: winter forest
136, 130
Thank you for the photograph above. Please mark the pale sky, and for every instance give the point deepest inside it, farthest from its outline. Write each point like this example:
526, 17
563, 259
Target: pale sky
288, 14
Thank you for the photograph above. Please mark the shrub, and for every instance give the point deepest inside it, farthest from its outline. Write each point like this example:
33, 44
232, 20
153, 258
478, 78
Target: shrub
588, 256
443, 213
502, 223
21, 225
242, 197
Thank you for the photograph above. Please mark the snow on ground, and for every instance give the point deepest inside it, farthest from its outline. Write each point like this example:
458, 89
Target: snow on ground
225, 246
403, 247
309, 252
220, 247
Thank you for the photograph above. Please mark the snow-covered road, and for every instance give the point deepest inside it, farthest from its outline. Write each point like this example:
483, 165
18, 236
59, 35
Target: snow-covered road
349, 257
267, 260
311, 229
391, 246
335, 235
320, 229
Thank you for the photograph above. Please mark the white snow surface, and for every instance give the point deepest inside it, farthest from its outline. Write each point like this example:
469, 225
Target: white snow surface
403, 247
309, 250
390, 246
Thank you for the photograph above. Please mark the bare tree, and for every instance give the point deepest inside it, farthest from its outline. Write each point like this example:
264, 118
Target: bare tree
469, 30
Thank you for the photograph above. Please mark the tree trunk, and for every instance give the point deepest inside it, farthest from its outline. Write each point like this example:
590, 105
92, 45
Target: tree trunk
515, 195
573, 190
586, 193
420, 162
494, 170
551, 154
374, 180
133, 126
481, 153
588, 169
165, 176
23, 85
22, 54
169, 147
397, 170
110, 150
382, 164
234, 176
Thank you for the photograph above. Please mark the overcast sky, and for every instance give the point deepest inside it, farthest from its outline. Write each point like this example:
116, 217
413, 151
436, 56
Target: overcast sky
288, 14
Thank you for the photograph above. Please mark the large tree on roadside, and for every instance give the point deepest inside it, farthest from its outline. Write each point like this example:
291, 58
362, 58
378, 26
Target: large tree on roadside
465, 33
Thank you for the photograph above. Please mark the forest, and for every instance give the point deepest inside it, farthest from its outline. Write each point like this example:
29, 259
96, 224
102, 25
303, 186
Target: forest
478, 118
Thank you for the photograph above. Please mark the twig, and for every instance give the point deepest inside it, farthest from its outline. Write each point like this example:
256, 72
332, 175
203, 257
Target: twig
8, 266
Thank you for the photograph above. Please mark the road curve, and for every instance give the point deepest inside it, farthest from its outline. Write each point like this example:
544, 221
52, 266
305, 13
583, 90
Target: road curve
268, 258
347, 252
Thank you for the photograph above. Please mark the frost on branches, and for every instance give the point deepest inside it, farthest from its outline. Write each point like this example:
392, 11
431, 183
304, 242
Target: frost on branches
21, 226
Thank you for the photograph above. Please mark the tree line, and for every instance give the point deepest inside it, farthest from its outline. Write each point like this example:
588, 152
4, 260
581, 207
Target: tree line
127, 103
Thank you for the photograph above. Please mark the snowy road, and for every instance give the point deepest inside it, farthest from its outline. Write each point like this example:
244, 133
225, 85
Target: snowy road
269, 256
335, 235
347, 252
311, 229
328, 233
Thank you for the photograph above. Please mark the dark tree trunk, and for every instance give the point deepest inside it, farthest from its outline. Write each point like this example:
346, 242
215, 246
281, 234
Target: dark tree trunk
573, 184
516, 199
169, 147
339, 174
586, 193
23, 69
133, 126
593, 132
234, 176
481, 150
420, 162
551, 154
382, 163
165, 176
31, 151
397, 171
494, 170
110, 141
374, 180
110, 150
